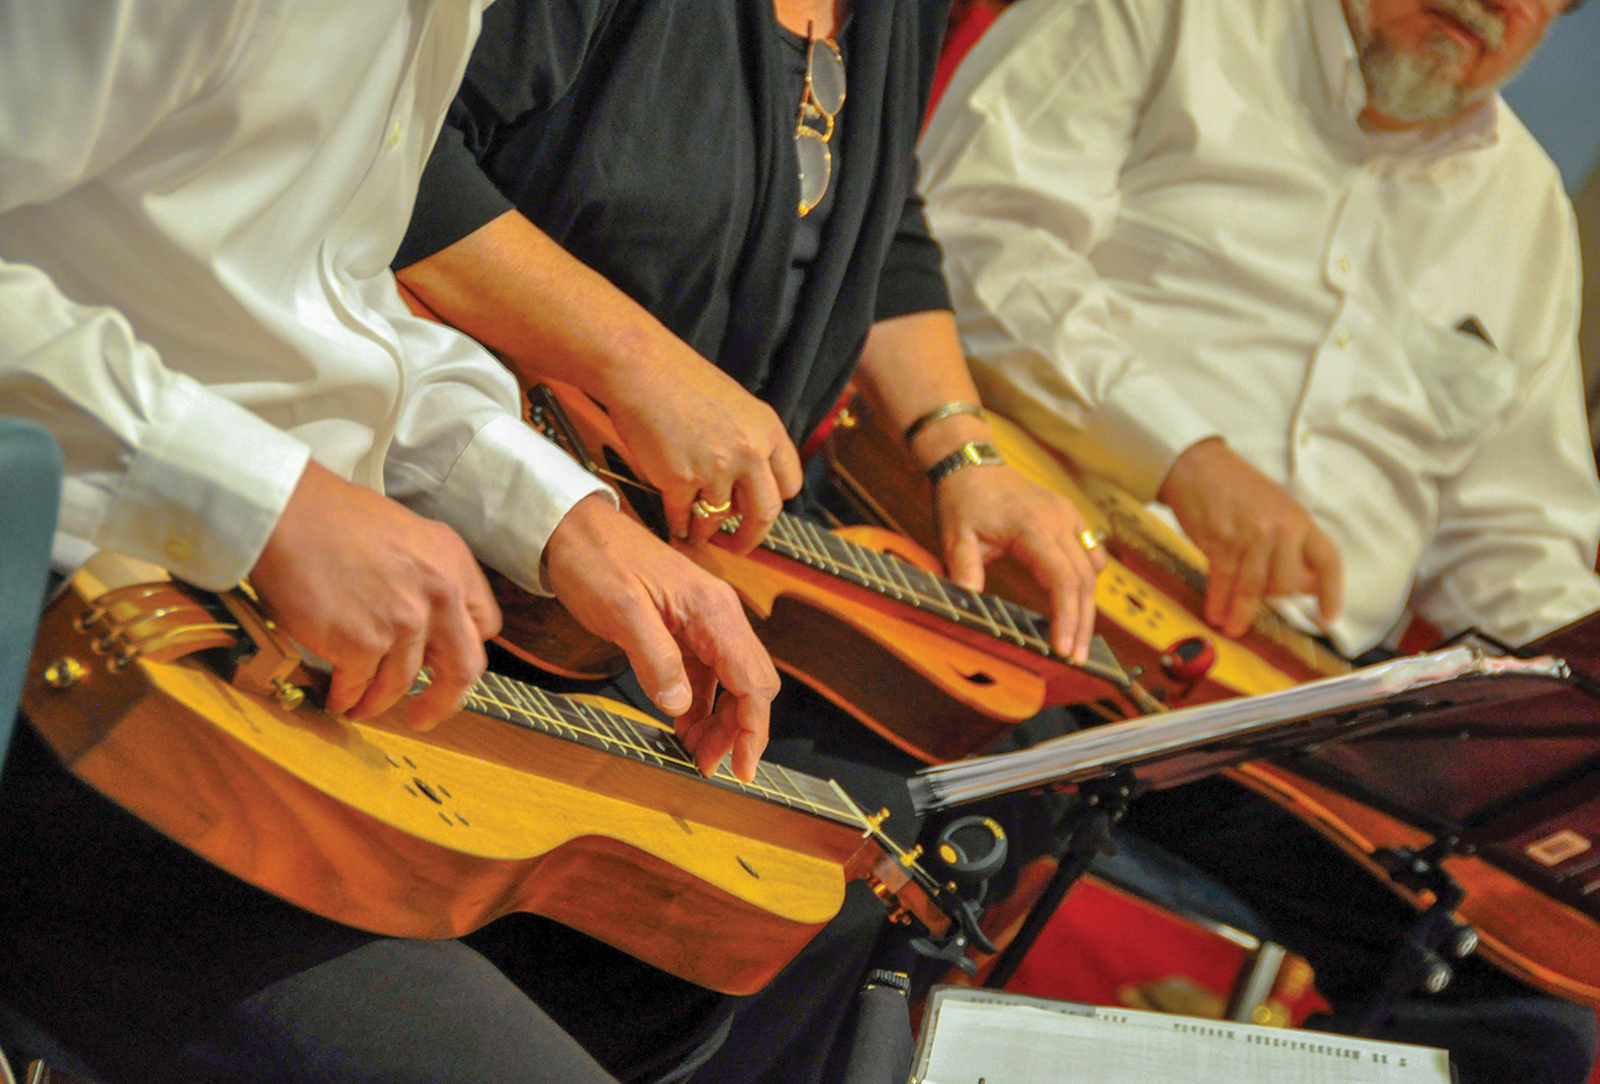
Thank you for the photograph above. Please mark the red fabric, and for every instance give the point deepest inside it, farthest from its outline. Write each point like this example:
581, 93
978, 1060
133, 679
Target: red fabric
1106, 947
968, 20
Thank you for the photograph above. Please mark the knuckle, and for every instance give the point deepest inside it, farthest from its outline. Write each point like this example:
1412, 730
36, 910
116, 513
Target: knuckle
365, 642
768, 505
409, 618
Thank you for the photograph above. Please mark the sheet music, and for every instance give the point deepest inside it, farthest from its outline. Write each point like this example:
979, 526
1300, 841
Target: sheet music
991, 1037
1095, 750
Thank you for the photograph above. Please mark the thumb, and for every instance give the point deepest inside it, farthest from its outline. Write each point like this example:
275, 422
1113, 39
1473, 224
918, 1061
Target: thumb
964, 561
657, 663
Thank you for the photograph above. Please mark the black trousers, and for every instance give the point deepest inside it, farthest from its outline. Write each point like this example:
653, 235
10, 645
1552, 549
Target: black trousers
153, 966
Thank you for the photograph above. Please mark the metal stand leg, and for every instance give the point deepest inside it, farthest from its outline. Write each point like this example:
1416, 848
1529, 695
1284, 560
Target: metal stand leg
1422, 959
1104, 803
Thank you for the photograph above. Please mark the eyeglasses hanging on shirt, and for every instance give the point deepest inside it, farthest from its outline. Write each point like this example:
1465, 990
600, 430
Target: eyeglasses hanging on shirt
819, 105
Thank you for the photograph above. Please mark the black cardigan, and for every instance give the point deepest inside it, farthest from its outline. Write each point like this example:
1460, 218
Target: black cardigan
650, 138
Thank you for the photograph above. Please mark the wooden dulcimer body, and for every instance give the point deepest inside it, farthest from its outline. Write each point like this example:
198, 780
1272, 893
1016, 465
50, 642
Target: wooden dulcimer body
188, 710
1147, 597
861, 616
1536, 909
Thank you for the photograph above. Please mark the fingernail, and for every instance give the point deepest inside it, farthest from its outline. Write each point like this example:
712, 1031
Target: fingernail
676, 700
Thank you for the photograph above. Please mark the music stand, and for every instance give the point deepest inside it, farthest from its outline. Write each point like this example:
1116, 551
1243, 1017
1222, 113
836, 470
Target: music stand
1109, 766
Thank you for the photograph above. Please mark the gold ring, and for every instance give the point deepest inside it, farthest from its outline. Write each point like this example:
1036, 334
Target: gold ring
705, 510
1090, 540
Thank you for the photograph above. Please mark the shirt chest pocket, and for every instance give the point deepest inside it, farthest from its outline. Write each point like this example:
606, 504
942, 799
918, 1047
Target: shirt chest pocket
1433, 395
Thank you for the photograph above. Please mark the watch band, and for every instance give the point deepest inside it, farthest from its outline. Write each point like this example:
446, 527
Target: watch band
974, 453
939, 414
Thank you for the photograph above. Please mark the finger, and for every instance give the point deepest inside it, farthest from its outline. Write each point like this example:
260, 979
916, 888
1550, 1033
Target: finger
758, 503
1248, 589
482, 610
1287, 573
1097, 556
738, 726
456, 657
715, 495
963, 560
786, 468
694, 734
1054, 569
711, 736
747, 750
1094, 557
392, 680
653, 653
1322, 557
676, 502
1086, 603
351, 676
1219, 586
708, 740
716, 632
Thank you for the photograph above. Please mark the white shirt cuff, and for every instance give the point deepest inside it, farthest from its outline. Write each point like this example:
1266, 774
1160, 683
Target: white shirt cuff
203, 492
506, 494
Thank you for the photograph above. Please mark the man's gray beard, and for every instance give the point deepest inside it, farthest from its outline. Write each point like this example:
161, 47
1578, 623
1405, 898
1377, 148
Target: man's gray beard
1416, 89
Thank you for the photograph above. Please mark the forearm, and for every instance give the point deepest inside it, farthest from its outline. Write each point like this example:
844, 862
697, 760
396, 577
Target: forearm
912, 365
549, 315
691, 430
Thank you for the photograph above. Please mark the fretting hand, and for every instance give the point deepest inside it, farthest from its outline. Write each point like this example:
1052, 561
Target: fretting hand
1258, 539
696, 435
683, 630
986, 512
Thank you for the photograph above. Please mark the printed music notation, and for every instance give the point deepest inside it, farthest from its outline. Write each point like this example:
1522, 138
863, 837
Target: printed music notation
976, 1036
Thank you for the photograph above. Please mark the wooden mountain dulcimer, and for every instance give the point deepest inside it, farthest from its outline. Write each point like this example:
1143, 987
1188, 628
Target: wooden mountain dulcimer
190, 710
938, 670
1147, 597
1536, 921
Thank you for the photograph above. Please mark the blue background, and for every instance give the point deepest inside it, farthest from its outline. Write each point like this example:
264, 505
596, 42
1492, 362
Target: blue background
1558, 94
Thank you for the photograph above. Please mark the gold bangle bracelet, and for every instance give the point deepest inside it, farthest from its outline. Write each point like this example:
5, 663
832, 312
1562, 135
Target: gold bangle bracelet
938, 414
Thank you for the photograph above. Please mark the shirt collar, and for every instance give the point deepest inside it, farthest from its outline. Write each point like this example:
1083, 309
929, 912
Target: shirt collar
1336, 50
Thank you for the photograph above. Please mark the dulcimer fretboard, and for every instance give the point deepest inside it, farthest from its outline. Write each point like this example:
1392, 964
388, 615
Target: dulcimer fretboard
524, 705
801, 540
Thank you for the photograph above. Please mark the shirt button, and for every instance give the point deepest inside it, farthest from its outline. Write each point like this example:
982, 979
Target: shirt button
1342, 340
394, 134
1344, 264
178, 549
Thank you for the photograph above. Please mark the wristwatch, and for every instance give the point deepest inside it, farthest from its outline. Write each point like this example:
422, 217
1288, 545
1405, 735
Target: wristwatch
974, 453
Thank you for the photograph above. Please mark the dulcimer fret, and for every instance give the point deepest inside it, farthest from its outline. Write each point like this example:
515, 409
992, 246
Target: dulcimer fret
528, 706
885, 574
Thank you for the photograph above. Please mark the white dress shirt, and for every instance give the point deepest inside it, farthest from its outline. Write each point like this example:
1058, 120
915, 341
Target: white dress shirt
1162, 222
198, 204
